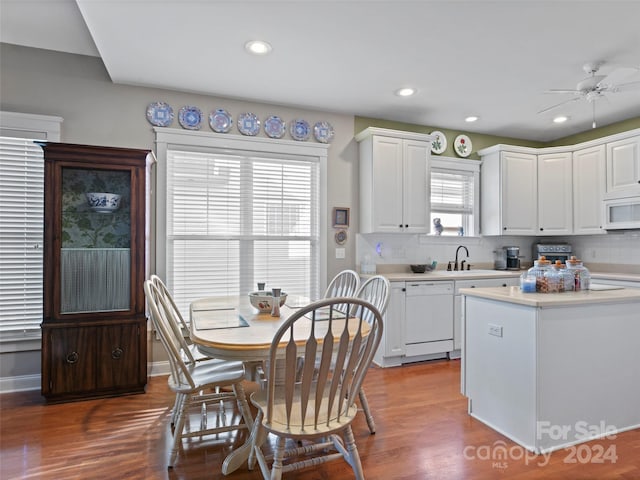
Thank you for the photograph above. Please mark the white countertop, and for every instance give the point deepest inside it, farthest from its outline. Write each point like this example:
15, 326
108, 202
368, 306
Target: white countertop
480, 274
542, 300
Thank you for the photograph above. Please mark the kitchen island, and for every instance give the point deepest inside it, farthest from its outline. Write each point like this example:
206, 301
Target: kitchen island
552, 370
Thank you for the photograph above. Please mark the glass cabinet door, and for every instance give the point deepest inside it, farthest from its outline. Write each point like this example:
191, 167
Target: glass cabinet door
95, 239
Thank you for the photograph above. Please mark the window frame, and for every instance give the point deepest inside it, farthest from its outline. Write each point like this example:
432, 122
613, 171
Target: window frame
168, 139
28, 127
460, 165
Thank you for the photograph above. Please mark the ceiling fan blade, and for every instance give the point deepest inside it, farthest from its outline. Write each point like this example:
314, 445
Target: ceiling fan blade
559, 104
625, 87
560, 90
619, 74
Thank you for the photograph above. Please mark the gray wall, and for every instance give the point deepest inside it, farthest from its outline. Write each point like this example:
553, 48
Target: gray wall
98, 112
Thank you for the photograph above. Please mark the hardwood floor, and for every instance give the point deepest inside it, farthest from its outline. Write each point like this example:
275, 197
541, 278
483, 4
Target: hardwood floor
423, 432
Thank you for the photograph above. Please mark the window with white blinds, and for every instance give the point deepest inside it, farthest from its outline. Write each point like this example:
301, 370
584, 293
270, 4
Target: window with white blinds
235, 218
21, 236
454, 197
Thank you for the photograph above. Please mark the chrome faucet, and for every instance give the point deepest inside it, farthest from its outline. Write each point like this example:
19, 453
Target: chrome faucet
455, 265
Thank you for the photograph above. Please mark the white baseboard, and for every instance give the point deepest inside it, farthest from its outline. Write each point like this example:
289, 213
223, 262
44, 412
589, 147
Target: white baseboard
24, 383
20, 383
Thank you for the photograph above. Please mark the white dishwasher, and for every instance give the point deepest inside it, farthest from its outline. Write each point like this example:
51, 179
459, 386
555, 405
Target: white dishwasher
429, 318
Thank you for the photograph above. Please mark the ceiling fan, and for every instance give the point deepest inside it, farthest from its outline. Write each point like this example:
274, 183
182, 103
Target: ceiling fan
595, 87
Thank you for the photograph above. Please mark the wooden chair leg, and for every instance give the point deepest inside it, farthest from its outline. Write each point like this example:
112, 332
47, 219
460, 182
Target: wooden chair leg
353, 455
365, 408
278, 457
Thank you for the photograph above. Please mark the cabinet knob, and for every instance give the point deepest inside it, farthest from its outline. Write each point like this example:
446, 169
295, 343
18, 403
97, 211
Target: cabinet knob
504, 228
400, 225
541, 229
116, 353
72, 358
406, 225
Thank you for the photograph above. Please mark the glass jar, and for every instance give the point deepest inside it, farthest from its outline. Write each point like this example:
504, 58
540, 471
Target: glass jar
567, 283
553, 280
540, 266
581, 275
527, 283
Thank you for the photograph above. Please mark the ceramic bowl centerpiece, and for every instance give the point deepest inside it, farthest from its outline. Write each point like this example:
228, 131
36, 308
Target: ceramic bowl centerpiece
103, 202
421, 268
263, 300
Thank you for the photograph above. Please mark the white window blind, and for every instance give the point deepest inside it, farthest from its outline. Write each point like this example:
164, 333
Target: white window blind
236, 218
21, 227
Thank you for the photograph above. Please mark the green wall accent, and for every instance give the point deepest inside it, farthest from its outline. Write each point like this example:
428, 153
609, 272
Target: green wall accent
600, 132
481, 141
478, 140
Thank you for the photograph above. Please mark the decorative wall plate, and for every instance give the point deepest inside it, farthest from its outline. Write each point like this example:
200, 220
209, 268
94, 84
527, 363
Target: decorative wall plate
299, 129
248, 124
323, 131
160, 114
462, 145
220, 121
275, 127
439, 144
190, 117
341, 237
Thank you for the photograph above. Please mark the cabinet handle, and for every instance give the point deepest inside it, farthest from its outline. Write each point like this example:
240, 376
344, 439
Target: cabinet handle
72, 358
116, 353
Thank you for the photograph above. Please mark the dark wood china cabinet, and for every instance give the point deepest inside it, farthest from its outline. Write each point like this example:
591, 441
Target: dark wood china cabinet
94, 336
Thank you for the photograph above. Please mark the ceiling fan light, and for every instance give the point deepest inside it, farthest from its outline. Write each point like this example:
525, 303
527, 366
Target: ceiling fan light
257, 47
560, 119
405, 92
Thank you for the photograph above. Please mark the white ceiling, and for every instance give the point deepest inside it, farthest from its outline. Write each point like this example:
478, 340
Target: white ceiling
494, 59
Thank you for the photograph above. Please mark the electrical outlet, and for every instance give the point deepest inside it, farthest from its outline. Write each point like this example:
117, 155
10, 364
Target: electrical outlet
340, 253
495, 330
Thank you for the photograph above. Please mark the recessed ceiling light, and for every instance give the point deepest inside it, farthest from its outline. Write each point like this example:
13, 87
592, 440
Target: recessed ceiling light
471, 118
560, 119
405, 92
257, 47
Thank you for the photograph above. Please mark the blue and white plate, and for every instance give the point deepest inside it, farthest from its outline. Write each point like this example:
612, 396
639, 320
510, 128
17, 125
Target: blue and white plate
323, 131
274, 127
160, 114
299, 129
248, 124
220, 121
190, 117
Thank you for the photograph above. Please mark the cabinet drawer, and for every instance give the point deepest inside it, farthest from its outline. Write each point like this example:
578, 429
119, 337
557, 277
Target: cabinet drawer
487, 282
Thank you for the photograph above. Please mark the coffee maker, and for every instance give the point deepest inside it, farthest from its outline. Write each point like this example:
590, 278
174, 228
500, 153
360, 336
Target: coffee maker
513, 258
507, 258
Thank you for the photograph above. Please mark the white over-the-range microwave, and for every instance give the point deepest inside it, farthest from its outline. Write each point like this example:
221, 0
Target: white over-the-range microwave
622, 213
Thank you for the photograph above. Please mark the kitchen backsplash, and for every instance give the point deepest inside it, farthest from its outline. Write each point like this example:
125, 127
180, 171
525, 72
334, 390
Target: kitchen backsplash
602, 251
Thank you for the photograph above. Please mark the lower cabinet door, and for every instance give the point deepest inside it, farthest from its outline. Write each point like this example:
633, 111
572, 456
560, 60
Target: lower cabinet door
118, 352
71, 360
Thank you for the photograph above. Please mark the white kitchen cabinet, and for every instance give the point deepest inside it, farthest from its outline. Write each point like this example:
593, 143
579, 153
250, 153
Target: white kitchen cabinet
391, 350
623, 168
588, 190
428, 318
555, 194
394, 181
508, 192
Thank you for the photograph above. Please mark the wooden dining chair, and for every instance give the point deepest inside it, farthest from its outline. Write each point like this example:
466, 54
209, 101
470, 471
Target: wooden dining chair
190, 379
377, 291
344, 284
310, 409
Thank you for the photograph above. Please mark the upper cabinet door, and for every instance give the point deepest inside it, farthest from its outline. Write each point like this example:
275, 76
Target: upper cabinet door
623, 168
520, 193
588, 190
416, 186
387, 184
555, 195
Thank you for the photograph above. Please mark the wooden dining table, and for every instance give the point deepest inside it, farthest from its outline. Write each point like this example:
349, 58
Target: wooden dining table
230, 328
